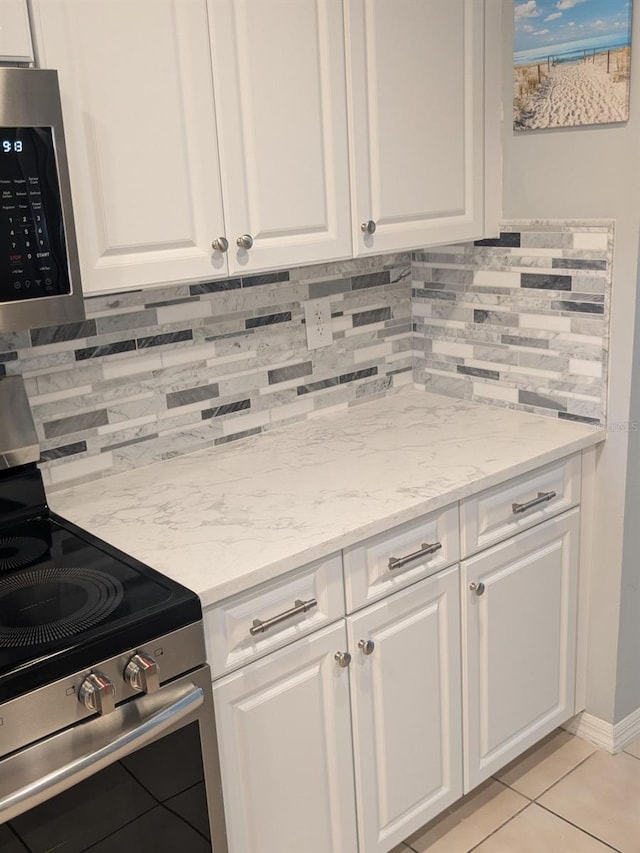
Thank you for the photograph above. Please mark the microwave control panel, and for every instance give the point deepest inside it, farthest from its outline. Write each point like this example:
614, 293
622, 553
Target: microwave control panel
33, 258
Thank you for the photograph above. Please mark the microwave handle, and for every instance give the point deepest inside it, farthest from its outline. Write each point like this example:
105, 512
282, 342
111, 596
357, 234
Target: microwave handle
66, 776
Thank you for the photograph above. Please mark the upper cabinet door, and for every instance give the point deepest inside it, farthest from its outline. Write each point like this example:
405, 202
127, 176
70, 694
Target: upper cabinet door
416, 104
15, 34
135, 78
279, 76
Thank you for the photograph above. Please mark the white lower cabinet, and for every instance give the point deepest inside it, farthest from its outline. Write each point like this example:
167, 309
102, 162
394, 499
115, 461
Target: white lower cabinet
353, 737
284, 733
519, 607
407, 721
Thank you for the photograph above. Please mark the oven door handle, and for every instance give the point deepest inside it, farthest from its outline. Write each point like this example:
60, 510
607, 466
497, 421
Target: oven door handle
66, 776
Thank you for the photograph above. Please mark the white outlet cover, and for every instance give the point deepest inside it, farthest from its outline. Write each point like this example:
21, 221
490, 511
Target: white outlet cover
317, 318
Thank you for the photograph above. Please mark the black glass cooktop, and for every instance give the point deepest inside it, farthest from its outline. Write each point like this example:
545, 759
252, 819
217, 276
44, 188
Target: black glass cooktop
67, 599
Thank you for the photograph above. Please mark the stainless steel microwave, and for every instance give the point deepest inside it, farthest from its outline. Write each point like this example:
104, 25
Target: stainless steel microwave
39, 268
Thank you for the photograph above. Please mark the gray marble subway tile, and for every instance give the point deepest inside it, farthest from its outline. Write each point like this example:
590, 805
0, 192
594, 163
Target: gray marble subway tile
265, 278
290, 371
542, 361
379, 385
495, 318
67, 332
318, 385
579, 264
355, 375
498, 355
434, 294
320, 289
577, 307
547, 240
103, 350
226, 409
116, 445
165, 338
506, 239
545, 281
374, 279
524, 341
589, 284
8, 356
376, 315
268, 320
237, 436
530, 398
127, 321
215, 286
63, 451
478, 371
3, 370
14, 341
583, 419
75, 423
588, 326
192, 395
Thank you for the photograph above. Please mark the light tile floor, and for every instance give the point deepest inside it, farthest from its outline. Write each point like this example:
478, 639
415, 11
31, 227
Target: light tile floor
563, 796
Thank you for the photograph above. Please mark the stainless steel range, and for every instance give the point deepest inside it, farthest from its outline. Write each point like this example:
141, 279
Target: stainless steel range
107, 734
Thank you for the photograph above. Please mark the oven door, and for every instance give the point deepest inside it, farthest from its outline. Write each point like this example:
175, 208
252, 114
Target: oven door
142, 779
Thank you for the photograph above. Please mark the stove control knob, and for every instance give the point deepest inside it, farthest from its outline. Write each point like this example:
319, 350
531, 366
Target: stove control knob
142, 673
97, 693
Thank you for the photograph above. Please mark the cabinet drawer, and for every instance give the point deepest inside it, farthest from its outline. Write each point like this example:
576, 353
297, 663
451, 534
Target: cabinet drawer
497, 513
255, 622
398, 557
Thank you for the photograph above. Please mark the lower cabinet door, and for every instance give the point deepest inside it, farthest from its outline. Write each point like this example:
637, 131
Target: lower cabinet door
407, 727
519, 604
284, 733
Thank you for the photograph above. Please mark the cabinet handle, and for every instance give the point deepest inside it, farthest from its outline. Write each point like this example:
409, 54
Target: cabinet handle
343, 659
259, 626
478, 588
245, 242
220, 244
368, 227
367, 646
543, 497
425, 549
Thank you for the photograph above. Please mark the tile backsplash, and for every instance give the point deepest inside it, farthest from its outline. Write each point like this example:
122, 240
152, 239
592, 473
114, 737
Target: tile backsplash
520, 321
158, 373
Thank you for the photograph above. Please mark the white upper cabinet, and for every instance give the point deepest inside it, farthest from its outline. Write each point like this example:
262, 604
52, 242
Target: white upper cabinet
417, 122
15, 34
279, 76
137, 99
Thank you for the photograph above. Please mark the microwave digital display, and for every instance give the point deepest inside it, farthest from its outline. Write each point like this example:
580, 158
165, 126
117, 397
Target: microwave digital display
33, 258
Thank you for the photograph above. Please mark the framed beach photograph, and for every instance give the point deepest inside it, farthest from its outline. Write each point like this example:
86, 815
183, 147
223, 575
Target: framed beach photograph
572, 63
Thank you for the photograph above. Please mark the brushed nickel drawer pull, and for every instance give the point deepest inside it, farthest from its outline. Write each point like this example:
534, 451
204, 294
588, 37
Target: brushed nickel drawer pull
425, 549
259, 626
543, 497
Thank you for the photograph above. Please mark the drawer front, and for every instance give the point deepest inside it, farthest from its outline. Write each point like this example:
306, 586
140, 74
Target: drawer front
269, 616
396, 558
500, 512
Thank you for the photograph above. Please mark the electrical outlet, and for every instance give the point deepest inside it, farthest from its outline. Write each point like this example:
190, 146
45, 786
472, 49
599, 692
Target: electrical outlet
317, 318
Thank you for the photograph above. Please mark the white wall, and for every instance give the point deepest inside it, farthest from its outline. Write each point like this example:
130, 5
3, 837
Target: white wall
591, 173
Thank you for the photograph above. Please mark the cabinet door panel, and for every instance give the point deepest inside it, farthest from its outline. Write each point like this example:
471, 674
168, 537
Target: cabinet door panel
15, 35
279, 74
406, 709
137, 99
285, 750
417, 124
519, 649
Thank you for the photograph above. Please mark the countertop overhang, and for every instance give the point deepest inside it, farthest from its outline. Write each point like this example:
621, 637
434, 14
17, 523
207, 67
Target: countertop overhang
221, 521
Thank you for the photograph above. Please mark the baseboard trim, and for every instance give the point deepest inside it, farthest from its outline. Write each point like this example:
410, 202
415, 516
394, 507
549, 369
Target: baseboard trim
607, 736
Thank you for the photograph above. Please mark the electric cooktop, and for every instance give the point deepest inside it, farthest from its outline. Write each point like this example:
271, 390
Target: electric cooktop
67, 598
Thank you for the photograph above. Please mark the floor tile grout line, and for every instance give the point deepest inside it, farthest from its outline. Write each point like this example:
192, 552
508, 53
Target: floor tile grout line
637, 757
568, 773
581, 828
502, 825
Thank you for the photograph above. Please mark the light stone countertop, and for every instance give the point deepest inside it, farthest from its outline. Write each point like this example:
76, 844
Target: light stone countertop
221, 521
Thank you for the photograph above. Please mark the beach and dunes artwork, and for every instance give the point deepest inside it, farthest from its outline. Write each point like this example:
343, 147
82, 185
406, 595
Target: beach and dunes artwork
572, 61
